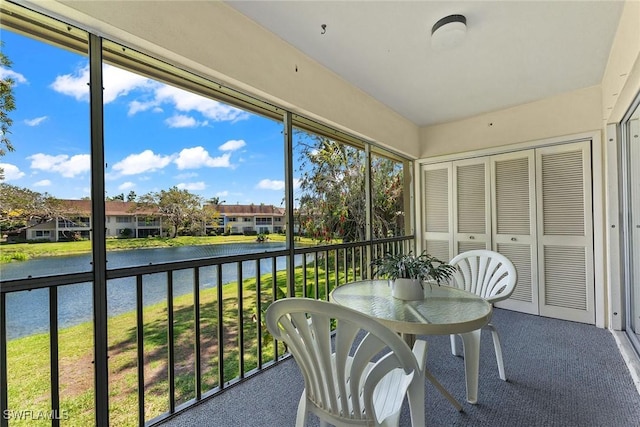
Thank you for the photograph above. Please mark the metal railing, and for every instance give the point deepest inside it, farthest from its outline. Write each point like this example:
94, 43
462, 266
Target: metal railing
167, 356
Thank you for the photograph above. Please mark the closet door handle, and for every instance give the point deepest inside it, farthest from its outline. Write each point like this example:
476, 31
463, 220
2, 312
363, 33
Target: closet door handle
513, 239
471, 237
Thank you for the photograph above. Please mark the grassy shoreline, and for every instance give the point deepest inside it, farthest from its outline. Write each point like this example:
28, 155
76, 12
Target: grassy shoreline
15, 252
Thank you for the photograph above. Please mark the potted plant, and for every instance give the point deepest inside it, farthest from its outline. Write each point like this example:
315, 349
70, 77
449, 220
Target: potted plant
407, 272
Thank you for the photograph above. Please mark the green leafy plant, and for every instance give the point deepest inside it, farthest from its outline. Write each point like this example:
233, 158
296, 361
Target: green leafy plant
409, 266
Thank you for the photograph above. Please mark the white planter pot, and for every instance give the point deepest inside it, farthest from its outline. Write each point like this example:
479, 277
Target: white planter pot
407, 289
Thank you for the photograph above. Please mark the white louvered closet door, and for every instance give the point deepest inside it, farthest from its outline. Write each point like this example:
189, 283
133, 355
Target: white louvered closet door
565, 236
471, 205
514, 224
437, 199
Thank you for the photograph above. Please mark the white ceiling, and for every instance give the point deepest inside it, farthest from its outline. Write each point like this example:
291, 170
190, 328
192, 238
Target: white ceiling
514, 51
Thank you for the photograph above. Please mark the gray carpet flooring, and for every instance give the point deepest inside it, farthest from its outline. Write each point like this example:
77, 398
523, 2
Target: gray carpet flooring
559, 373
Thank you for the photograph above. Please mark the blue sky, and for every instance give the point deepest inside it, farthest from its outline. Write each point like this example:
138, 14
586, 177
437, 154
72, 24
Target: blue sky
156, 136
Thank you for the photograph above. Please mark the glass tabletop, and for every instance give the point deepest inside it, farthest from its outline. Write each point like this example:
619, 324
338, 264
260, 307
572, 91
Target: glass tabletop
444, 310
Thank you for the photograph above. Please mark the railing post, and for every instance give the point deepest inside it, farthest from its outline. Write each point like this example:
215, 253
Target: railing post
4, 402
53, 355
197, 332
140, 347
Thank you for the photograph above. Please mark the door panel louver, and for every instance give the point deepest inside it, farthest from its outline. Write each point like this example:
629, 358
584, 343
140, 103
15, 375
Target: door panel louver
565, 232
439, 249
436, 193
520, 256
471, 198
514, 224
512, 196
469, 246
565, 277
563, 194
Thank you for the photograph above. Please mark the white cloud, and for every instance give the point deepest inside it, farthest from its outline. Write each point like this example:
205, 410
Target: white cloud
270, 184
43, 183
149, 94
66, 166
6, 73
192, 186
75, 85
232, 145
182, 121
126, 185
11, 172
222, 193
146, 161
117, 82
36, 121
197, 157
187, 101
138, 106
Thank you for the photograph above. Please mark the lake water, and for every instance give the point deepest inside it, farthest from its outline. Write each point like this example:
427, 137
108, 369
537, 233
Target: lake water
28, 311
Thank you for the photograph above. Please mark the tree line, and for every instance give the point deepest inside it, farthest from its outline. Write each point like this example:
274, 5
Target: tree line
181, 210
331, 203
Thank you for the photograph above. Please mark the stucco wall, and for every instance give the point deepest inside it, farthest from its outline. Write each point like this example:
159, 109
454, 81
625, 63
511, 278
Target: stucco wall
621, 81
565, 114
215, 40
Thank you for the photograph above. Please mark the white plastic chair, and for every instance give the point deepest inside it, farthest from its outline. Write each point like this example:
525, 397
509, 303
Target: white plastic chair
491, 276
360, 376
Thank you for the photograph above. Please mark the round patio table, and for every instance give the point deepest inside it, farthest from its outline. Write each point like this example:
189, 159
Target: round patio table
444, 311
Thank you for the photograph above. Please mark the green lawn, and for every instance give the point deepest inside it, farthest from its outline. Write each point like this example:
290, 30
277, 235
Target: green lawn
10, 252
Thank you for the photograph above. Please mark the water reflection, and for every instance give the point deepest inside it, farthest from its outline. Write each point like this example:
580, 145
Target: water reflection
28, 311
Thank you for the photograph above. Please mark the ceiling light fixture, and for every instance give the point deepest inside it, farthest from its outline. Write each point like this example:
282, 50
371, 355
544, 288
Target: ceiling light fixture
448, 31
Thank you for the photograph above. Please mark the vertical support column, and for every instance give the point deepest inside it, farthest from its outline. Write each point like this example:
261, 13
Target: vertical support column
288, 188
409, 192
369, 211
615, 268
101, 372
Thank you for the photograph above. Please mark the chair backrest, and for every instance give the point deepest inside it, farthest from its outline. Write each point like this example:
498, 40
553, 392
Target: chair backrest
486, 273
341, 373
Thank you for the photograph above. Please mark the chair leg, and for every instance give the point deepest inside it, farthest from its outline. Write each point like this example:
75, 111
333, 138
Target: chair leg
301, 417
498, 349
455, 350
415, 397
